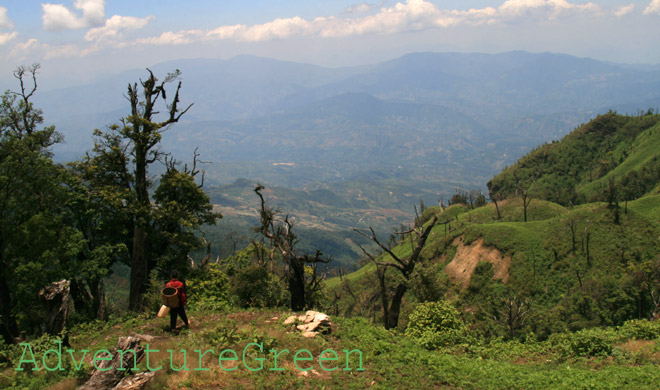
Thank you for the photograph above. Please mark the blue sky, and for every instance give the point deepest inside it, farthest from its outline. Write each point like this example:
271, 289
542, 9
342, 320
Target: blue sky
76, 40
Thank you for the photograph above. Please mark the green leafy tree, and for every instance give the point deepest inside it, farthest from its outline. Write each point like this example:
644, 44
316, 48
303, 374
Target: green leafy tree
158, 232
38, 244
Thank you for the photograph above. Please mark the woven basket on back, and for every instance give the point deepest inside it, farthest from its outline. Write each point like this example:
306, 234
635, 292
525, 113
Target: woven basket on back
170, 297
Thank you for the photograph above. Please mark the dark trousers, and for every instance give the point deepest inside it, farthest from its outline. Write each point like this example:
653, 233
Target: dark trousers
181, 312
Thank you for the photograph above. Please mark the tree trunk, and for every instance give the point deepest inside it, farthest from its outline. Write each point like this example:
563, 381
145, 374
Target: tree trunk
380, 272
8, 326
98, 303
82, 299
297, 286
139, 270
56, 297
497, 208
395, 307
139, 261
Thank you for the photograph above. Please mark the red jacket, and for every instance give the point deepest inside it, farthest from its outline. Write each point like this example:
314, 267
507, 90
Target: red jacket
174, 283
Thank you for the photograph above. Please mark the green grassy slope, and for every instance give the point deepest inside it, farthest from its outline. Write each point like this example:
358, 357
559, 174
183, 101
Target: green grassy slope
578, 168
580, 260
574, 280
643, 152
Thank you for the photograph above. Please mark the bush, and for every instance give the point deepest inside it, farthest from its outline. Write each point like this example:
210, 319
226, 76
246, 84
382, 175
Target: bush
209, 288
587, 342
436, 324
640, 330
592, 342
254, 286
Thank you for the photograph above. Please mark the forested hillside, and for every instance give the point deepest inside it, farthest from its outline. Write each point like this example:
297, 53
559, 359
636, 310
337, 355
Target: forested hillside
572, 241
612, 156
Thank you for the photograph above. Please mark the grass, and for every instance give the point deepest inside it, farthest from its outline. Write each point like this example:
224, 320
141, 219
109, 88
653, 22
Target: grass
643, 151
390, 360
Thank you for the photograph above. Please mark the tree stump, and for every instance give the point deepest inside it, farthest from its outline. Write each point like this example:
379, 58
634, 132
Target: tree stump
120, 380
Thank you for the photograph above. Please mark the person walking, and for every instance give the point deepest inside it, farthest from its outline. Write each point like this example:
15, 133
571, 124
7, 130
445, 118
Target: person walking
181, 293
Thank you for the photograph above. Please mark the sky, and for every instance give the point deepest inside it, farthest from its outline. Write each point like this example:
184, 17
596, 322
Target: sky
78, 40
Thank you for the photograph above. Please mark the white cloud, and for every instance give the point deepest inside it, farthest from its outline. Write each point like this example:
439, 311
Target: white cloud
624, 9
361, 19
174, 38
115, 26
550, 9
360, 8
24, 48
4, 38
59, 17
226, 32
5, 22
653, 8
411, 15
62, 51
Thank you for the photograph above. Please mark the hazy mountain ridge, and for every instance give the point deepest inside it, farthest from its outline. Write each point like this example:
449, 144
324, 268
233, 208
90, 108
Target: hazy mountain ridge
574, 266
244, 92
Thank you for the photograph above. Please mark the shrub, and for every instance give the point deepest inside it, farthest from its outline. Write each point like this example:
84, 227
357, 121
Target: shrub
640, 330
436, 324
209, 288
254, 286
587, 342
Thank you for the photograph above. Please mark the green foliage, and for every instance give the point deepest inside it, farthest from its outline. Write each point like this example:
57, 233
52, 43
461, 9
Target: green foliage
587, 342
209, 288
577, 168
640, 330
436, 324
41, 209
183, 208
254, 286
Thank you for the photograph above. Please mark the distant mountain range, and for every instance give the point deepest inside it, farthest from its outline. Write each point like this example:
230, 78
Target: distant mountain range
384, 135
449, 118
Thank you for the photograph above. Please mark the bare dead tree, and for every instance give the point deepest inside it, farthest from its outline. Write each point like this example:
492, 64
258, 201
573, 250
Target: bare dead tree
144, 133
571, 225
282, 241
587, 236
207, 257
494, 198
526, 198
514, 315
406, 266
656, 305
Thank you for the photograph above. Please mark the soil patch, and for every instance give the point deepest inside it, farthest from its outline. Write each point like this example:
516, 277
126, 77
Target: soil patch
467, 257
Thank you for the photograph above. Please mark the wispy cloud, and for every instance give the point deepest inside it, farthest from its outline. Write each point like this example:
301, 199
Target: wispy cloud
174, 38
361, 8
115, 26
653, 8
413, 15
4, 38
59, 17
360, 19
624, 9
5, 22
22, 49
